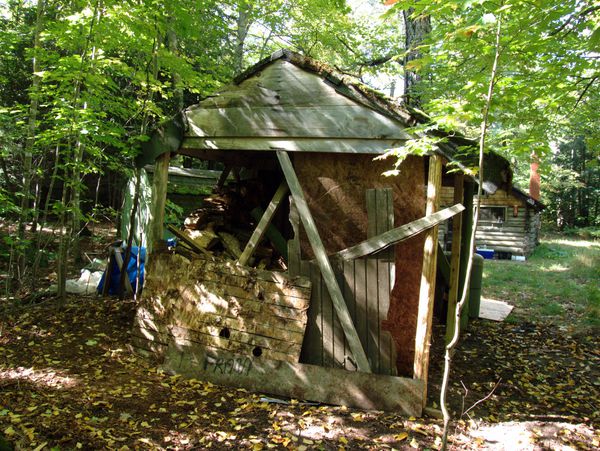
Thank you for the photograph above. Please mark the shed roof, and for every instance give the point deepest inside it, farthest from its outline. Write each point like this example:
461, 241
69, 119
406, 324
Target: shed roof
291, 102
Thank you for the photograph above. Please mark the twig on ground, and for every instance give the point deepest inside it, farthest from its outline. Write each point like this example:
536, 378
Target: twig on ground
485, 398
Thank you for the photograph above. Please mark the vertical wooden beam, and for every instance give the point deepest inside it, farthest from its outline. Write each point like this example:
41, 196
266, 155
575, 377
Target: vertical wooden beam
323, 261
264, 222
453, 294
159, 199
294, 243
465, 249
427, 292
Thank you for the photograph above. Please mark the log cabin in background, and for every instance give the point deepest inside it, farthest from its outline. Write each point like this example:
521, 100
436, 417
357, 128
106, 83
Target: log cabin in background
509, 223
344, 313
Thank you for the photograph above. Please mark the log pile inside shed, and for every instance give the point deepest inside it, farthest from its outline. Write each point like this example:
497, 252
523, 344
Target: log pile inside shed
224, 224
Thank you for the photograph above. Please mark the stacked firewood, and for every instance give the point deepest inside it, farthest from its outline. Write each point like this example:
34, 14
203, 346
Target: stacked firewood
223, 225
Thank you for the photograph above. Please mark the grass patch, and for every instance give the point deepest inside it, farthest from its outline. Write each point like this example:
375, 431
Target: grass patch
560, 283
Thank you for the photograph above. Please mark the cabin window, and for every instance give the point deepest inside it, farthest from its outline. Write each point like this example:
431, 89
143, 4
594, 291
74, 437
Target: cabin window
495, 216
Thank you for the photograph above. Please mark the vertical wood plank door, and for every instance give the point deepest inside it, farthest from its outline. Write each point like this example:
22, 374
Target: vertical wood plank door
366, 284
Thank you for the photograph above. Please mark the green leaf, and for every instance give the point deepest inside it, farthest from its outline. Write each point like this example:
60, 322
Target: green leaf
594, 42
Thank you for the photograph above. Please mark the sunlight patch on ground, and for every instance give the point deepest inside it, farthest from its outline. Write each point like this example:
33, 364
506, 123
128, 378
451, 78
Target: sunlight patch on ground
556, 267
530, 435
46, 377
573, 243
586, 260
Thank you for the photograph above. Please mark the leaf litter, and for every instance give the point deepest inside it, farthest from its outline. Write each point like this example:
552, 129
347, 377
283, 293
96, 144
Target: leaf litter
69, 380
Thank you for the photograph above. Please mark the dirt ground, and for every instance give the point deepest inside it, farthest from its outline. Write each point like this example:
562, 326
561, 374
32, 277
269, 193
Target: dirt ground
68, 380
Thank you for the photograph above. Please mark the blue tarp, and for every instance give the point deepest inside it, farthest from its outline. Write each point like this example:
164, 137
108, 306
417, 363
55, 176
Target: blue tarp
131, 266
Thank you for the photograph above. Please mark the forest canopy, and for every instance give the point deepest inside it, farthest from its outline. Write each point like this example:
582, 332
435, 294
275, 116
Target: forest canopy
83, 83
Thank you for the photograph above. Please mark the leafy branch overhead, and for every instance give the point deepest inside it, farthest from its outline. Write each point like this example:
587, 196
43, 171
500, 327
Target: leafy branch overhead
547, 86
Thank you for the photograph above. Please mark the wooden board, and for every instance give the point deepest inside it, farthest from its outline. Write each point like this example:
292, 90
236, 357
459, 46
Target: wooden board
222, 305
380, 211
323, 261
296, 380
346, 121
386, 239
264, 222
494, 310
294, 242
195, 146
428, 278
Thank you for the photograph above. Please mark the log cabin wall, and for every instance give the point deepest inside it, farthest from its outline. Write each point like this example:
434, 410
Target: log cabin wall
335, 187
517, 233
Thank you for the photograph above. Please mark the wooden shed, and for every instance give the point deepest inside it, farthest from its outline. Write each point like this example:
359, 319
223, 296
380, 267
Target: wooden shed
509, 222
349, 320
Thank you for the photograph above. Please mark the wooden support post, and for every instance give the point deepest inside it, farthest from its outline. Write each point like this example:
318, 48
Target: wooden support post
294, 256
223, 177
323, 262
272, 233
465, 249
264, 222
443, 265
455, 259
427, 292
159, 199
123, 269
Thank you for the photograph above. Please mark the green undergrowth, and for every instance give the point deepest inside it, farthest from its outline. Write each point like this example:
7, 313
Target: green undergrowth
559, 283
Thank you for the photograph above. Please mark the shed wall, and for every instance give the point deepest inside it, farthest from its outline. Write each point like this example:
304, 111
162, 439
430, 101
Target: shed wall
335, 188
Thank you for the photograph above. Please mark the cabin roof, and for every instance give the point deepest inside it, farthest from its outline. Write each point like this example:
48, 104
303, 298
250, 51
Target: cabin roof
520, 194
292, 102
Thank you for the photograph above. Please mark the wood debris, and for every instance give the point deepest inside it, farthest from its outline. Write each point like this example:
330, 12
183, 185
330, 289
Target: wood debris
225, 222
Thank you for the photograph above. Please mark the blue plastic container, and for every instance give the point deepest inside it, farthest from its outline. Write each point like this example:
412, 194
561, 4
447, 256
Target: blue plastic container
132, 272
488, 254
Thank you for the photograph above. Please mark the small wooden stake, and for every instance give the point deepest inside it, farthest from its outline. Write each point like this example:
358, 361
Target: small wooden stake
323, 262
427, 292
294, 243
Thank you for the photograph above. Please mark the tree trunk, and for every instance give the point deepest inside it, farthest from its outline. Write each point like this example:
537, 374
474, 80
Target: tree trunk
243, 25
30, 141
42, 222
416, 30
80, 146
62, 263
